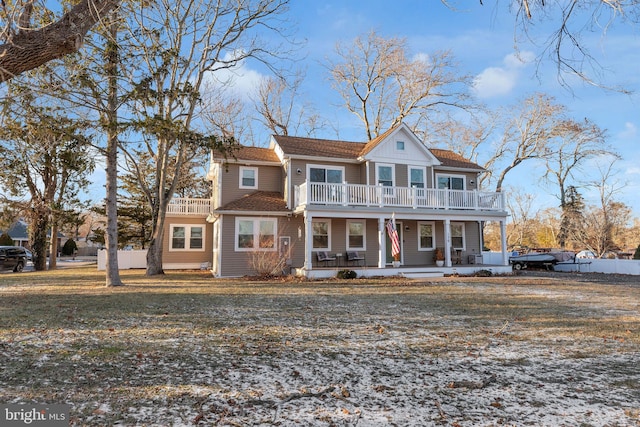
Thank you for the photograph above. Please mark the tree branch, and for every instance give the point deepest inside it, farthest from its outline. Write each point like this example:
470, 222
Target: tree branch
30, 48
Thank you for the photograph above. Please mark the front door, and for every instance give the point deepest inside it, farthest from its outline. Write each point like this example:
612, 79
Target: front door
389, 257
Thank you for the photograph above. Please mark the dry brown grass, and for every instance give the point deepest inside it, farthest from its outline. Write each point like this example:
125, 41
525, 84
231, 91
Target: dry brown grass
186, 348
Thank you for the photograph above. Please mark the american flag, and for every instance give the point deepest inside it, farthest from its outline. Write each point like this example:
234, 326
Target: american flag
393, 236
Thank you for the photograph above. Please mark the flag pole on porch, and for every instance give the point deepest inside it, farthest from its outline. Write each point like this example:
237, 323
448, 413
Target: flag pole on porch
393, 237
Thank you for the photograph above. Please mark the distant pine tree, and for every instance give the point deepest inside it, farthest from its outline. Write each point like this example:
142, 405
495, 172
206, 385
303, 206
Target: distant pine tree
5, 240
69, 247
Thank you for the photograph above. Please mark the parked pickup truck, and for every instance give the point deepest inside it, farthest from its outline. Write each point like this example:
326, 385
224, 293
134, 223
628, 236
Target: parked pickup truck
13, 258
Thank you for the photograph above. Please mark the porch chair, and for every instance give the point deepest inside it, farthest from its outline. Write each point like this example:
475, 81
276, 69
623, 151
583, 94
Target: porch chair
354, 257
456, 256
323, 257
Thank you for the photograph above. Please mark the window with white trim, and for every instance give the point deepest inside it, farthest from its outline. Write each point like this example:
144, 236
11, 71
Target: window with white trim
356, 232
321, 230
450, 182
248, 177
416, 177
386, 175
399, 145
326, 174
457, 235
426, 235
186, 237
255, 234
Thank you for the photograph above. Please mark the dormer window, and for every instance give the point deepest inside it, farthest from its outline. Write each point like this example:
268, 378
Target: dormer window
248, 177
399, 145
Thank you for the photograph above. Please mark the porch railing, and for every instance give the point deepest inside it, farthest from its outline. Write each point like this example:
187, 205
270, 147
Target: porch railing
344, 194
188, 206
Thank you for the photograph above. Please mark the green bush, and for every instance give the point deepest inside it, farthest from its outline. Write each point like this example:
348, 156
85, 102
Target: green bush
5, 240
347, 274
636, 255
69, 247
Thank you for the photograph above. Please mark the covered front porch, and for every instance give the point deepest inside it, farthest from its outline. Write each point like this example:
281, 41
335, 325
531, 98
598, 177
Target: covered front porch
330, 237
410, 272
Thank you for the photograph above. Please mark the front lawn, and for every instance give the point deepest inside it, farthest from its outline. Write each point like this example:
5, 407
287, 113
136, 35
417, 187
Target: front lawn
187, 349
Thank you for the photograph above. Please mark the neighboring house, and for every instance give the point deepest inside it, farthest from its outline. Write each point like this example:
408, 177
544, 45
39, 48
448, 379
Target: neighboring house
303, 197
19, 232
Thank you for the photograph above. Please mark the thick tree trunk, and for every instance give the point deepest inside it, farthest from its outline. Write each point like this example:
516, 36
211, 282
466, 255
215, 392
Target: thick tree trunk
39, 225
53, 248
111, 235
29, 48
154, 253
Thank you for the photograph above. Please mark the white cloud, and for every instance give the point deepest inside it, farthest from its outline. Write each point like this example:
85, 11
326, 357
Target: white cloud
630, 131
240, 80
422, 57
633, 170
498, 81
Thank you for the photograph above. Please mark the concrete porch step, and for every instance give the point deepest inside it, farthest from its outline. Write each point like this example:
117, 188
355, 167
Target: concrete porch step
422, 274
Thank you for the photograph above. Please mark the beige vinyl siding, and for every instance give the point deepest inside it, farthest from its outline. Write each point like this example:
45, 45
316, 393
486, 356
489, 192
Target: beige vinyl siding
402, 180
413, 257
339, 240
238, 263
269, 179
187, 257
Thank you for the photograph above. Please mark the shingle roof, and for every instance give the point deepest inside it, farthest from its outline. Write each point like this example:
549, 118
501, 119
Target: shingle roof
263, 201
258, 154
451, 159
297, 146
347, 150
292, 145
375, 141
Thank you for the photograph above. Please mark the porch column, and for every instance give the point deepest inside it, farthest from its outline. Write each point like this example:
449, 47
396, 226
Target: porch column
447, 242
382, 244
308, 241
503, 241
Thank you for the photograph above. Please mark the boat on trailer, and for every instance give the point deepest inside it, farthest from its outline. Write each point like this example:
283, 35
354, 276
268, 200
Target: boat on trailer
540, 260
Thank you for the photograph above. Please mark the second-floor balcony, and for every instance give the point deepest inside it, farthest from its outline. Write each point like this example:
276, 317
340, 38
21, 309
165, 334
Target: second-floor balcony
189, 206
344, 194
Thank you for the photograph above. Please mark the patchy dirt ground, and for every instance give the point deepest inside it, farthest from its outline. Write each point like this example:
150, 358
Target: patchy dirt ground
540, 349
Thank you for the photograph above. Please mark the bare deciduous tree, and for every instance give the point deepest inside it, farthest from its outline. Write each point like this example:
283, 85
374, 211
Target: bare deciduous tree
566, 44
520, 206
526, 135
574, 144
178, 47
278, 103
608, 214
383, 86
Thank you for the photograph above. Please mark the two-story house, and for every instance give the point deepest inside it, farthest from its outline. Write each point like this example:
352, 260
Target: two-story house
306, 200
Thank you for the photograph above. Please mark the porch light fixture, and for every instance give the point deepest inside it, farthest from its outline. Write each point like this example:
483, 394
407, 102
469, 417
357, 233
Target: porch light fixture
299, 171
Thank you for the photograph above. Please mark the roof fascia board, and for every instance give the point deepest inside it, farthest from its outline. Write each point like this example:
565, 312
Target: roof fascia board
253, 213
325, 159
458, 169
242, 162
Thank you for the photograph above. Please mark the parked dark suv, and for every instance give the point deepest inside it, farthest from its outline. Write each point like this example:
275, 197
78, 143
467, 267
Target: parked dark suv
12, 258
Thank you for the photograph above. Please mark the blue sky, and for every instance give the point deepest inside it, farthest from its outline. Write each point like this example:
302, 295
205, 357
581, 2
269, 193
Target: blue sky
481, 39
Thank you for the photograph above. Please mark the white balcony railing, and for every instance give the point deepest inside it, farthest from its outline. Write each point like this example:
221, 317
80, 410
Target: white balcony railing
313, 193
188, 206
